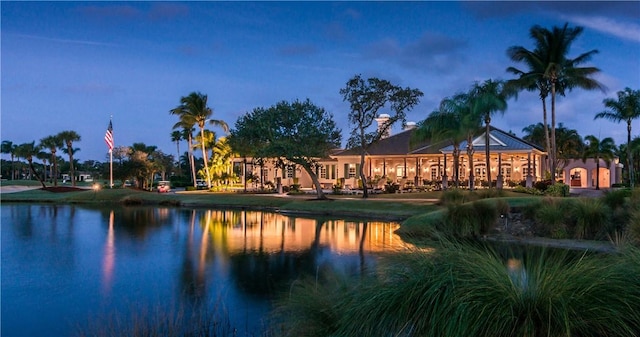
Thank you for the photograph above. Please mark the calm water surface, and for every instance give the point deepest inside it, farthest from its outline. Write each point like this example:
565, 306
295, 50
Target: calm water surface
65, 266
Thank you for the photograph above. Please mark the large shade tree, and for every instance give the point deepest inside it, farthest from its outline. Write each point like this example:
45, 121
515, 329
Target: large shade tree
68, 137
366, 98
298, 132
52, 143
599, 149
626, 108
193, 110
552, 72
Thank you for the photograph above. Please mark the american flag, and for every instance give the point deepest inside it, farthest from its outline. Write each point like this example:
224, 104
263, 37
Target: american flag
108, 137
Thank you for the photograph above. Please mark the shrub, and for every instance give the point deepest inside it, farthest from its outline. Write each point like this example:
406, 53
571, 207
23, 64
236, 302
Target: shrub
550, 220
542, 185
528, 190
452, 196
616, 198
591, 218
490, 193
557, 190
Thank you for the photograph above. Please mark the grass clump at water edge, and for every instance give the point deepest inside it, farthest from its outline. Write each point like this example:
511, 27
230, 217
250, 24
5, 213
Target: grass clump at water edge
460, 290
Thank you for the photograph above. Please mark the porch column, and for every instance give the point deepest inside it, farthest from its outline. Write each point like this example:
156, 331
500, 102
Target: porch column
444, 176
370, 168
529, 177
404, 174
499, 178
418, 172
384, 168
535, 170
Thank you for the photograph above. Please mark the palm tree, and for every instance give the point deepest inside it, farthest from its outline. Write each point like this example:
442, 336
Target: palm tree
551, 69
569, 146
452, 122
176, 136
52, 143
193, 110
535, 134
626, 108
187, 134
68, 137
10, 148
27, 151
599, 149
489, 98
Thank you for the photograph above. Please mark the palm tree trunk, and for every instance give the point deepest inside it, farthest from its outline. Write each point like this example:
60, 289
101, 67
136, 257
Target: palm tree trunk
597, 172
204, 157
546, 133
35, 173
472, 182
487, 151
553, 131
72, 171
192, 160
456, 165
629, 156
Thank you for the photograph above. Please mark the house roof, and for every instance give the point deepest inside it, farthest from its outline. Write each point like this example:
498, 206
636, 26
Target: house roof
400, 144
499, 141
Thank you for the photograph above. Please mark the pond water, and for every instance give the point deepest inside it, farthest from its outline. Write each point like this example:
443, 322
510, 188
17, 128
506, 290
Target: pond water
67, 267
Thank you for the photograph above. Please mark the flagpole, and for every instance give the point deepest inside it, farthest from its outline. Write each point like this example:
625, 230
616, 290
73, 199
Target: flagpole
111, 160
110, 168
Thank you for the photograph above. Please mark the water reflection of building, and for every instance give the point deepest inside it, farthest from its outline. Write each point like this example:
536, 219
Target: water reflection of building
271, 232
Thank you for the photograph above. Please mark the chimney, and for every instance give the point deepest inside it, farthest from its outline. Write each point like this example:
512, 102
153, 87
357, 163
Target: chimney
382, 120
410, 126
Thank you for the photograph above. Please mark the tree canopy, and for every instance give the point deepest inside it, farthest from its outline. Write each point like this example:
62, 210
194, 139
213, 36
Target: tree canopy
366, 99
298, 132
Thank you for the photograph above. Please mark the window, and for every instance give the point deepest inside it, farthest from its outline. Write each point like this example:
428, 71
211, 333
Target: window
400, 171
323, 172
480, 171
525, 171
435, 172
265, 174
506, 172
352, 170
290, 172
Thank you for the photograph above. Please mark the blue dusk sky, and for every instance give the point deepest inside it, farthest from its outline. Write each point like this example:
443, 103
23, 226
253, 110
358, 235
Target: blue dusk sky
71, 65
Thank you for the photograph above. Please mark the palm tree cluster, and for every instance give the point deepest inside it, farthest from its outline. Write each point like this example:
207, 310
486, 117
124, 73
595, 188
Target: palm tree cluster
459, 118
63, 141
193, 110
551, 72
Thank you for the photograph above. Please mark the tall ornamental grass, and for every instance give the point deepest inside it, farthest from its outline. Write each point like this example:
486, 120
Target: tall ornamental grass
465, 291
590, 219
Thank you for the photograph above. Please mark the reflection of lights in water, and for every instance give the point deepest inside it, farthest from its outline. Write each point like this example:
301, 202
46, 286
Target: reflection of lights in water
517, 272
271, 232
109, 257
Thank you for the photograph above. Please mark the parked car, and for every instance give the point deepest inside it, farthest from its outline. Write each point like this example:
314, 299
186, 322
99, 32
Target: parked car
201, 184
164, 186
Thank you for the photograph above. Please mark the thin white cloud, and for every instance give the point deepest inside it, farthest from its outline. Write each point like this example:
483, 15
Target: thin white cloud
625, 30
51, 39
